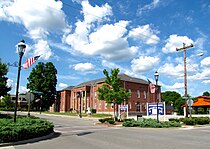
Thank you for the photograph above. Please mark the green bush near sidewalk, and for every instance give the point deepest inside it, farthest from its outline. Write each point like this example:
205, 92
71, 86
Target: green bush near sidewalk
24, 128
109, 120
150, 123
195, 120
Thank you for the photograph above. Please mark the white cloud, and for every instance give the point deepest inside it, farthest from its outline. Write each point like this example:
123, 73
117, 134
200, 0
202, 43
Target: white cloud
169, 69
92, 14
84, 67
174, 86
112, 65
205, 62
10, 83
145, 33
23, 89
148, 7
63, 85
206, 81
143, 63
174, 42
42, 48
204, 75
107, 41
39, 18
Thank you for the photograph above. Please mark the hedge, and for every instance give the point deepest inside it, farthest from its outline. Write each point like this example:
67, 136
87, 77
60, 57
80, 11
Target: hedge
24, 128
195, 120
150, 123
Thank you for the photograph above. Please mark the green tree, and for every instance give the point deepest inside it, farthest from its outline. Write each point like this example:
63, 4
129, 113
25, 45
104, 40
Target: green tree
43, 79
206, 93
169, 97
4, 89
112, 90
7, 102
173, 98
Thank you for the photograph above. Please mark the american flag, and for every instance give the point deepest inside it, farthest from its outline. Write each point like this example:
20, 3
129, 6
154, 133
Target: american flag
151, 86
30, 62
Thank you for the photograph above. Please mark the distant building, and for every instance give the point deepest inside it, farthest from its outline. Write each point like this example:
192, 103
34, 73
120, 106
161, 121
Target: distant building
202, 102
22, 99
139, 88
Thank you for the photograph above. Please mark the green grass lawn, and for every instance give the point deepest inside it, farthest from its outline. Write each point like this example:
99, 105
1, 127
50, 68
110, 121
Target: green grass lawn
95, 115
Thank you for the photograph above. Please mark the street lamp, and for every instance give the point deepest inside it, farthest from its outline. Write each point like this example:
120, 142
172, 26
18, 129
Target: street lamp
21, 49
156, 93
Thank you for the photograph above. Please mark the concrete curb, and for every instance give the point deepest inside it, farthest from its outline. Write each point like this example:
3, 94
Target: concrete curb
28, 141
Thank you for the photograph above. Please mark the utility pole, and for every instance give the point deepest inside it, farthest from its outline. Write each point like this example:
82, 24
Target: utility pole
184, 48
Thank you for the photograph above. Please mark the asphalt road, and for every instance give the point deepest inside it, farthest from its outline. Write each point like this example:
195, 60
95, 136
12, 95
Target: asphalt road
75, 133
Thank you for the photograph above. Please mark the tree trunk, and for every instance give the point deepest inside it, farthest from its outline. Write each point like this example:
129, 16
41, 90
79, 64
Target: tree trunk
114, 113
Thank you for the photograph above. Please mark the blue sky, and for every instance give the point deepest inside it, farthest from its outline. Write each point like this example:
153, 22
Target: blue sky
83, 37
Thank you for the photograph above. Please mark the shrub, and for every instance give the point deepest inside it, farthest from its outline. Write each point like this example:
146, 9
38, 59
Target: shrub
109, 120
93, 110
150, 123
102, 120
202, 120
195, 120
24, 128
128, 119
189, 121
173, 119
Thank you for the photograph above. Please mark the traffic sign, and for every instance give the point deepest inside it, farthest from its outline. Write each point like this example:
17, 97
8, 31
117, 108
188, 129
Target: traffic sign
36, 92
190, 102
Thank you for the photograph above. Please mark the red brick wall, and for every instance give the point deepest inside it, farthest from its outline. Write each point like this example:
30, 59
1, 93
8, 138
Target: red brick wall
69, 99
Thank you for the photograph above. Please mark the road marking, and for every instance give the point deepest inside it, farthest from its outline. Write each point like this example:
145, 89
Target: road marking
65, 130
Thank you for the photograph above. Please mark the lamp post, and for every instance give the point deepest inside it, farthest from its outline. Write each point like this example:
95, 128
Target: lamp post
156, 93
21, 49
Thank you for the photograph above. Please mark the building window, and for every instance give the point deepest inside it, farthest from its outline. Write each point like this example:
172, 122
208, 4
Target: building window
138, 94
145, 95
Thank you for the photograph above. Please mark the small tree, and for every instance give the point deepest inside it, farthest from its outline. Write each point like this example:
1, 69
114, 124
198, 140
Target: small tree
4, 89
112, 91
206, 93
7, 102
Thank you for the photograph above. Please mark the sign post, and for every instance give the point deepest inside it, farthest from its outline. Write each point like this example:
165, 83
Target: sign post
152, 109
123, 108
190, 103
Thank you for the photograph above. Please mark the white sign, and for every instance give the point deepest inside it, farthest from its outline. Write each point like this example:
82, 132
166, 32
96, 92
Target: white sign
123, 107
190, 102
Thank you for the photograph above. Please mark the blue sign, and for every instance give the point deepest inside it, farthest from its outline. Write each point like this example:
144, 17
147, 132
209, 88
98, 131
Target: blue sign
152, 109
123, 107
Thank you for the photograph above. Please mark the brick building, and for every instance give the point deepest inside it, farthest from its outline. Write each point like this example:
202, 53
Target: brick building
85, 94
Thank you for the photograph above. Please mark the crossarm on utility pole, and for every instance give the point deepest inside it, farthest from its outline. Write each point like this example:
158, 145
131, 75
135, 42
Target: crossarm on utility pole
184, 47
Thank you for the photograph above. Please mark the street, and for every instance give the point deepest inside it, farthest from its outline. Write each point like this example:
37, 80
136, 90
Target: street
82, 133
